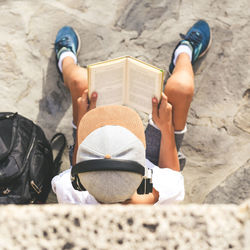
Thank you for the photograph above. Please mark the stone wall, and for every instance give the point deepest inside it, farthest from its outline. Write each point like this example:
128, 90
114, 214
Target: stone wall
125, 227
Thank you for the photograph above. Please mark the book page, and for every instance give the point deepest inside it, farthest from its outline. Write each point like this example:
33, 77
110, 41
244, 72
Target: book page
108, 80
144, 82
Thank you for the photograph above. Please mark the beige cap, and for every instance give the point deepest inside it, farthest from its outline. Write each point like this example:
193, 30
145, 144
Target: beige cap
114, 132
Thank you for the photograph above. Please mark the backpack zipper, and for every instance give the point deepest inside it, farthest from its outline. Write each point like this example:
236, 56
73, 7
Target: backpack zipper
32, 183
6, 191
35, 187
31, 147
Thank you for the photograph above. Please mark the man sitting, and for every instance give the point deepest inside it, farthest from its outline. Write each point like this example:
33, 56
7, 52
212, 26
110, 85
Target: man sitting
112, 156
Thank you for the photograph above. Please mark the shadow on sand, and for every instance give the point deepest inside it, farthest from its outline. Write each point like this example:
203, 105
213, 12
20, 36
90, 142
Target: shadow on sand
55, 99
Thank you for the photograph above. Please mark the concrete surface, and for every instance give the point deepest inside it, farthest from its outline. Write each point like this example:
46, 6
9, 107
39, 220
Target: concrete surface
184, 227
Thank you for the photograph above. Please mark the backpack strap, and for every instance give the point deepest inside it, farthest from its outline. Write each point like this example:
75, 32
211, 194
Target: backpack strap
57, 161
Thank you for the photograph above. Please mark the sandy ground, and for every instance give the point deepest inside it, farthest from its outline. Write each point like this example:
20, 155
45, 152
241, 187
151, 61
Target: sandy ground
218, 139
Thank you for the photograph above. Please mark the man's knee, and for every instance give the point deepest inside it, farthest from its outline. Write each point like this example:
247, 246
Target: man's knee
77, 81
181, 88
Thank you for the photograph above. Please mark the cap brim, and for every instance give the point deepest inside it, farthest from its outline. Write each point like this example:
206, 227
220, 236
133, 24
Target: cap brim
115, 115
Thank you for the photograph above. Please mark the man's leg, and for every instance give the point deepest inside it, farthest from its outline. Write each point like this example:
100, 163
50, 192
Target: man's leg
180, 89
75, 78
180, 86
67, 46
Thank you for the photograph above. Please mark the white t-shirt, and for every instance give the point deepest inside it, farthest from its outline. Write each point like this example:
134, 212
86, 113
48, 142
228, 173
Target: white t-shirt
169, 184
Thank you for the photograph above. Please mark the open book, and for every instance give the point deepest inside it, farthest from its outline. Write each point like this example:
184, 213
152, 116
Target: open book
125, 81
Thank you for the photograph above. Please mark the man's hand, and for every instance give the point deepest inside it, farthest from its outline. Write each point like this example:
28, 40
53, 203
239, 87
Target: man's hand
84, 105
162, 117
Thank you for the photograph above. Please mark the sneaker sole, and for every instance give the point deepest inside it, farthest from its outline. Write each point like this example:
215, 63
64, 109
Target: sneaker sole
208, 47
79, 42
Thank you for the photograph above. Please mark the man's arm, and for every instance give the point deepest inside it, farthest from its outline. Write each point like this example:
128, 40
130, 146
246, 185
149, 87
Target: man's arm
162, 117
168, 157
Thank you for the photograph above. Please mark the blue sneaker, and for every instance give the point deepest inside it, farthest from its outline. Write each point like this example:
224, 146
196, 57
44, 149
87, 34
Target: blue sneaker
67, 39
198, 39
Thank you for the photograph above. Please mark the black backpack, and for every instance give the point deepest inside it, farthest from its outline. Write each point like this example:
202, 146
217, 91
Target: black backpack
26, 160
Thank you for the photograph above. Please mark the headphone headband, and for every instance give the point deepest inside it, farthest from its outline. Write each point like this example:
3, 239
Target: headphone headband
108, 165
145, 187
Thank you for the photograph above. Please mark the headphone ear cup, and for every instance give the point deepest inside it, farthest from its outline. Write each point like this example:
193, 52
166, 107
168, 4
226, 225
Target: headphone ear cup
76, 183
149, 185
141, 188
145, 187
82, 188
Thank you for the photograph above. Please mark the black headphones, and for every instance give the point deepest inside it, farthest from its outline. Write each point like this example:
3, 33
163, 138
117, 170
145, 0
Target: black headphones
145, 187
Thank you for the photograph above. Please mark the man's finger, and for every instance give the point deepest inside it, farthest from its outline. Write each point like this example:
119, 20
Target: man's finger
155, 109
164, 97
164, 107
93, 100
84, 98
82, 102
169, 105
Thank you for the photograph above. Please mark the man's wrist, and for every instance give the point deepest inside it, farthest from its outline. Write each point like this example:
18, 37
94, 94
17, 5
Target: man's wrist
151, 122
167, 129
